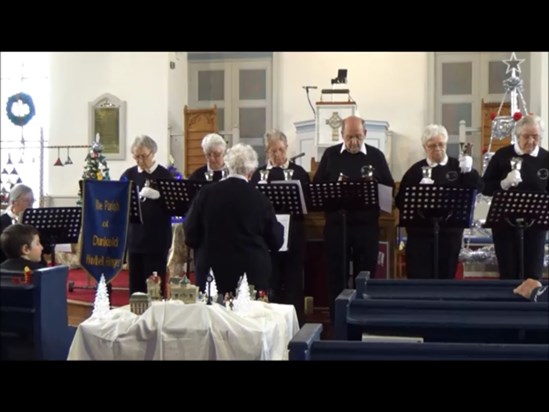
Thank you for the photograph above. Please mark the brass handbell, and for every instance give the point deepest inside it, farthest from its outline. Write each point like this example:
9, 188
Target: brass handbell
426, 172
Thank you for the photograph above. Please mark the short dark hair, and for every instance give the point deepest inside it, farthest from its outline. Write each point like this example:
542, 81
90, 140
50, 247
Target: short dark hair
14, 237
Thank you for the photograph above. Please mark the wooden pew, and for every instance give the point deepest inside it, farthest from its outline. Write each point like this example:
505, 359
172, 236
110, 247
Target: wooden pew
34, 322
442, 320
437, 289
306, 345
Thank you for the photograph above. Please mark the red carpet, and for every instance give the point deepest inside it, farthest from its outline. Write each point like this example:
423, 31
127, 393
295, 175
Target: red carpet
84, 288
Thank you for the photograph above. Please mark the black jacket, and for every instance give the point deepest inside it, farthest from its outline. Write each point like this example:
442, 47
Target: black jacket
232, 226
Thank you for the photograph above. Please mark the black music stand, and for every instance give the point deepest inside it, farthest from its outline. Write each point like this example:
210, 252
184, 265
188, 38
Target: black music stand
177, 195
343, 197
55, 225
286, 196
135, 205
437, 206
521, 210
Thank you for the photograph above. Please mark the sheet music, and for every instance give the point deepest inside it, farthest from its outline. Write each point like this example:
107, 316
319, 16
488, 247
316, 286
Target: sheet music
385, 194
284, 220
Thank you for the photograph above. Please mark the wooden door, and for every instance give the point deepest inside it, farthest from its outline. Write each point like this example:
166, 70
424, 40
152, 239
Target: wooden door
198, 123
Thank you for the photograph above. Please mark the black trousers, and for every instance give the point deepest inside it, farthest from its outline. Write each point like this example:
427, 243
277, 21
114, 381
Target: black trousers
420, 255
142, 265
362, 247
506, 243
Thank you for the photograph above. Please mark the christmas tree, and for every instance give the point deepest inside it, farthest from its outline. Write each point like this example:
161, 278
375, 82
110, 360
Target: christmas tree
504, 126
242, 303
101, 306
96, 165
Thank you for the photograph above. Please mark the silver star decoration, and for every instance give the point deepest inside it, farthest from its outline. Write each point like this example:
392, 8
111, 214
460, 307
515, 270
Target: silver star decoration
513, 63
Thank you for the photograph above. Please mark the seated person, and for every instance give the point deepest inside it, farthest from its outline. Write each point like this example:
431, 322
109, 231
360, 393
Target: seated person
21, 244
532, 289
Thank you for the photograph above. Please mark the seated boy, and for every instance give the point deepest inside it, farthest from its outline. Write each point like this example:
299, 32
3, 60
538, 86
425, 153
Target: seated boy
21, 244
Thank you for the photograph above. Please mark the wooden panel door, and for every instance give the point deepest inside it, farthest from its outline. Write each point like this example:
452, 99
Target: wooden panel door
486, 128
198, 123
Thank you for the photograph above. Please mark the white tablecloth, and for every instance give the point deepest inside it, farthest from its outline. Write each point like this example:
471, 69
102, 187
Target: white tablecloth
172, 330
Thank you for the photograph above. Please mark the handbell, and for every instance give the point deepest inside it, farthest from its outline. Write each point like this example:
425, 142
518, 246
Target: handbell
288, 173
264, 174
367, 171
466, 148
516, 163
209, 174
426, 171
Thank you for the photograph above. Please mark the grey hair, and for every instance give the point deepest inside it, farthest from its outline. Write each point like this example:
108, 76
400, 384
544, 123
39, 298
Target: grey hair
241, 159
432, 131
529, 120
145, 141
274, 135
17, 191
212, 140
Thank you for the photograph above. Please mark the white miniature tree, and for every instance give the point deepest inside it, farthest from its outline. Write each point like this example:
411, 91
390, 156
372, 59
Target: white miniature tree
101, 305
243, 300
213, 288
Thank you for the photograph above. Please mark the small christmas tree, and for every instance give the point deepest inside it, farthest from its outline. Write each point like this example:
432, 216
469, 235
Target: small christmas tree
243, 301
96, 165
213, 288
101, 306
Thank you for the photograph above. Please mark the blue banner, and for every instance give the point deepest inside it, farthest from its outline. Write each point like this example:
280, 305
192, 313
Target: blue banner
105, 216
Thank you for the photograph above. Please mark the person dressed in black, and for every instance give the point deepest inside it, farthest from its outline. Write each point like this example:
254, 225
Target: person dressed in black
346, 160
21, 198
446, 171
214, 148
21, 244
533, 289
233, 226
533, 176
149, 242
288, 266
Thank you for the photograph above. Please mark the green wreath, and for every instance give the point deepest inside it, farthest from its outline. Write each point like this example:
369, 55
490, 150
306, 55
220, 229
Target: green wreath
25, 99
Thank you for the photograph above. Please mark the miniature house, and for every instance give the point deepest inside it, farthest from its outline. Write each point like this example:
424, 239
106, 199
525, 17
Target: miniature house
139, 302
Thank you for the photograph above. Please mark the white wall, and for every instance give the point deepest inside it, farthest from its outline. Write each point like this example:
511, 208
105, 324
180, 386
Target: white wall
77, 78
177, 99
387, 86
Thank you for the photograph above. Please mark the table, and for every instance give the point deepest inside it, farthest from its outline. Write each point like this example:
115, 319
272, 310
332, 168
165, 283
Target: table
172, 330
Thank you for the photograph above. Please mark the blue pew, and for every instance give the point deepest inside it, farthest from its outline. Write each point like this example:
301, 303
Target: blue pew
441, 320
306, 345
437, 289
34, 321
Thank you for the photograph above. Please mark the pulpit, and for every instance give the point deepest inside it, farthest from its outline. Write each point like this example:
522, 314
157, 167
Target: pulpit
308, 136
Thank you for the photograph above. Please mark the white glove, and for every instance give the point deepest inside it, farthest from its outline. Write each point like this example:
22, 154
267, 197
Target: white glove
513, 179
465, 163
149, 193
427, 181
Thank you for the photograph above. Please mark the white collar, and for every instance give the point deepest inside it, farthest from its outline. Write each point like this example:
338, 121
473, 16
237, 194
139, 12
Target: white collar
285, 165
13, 216
209, 169
433, 164
151, 170
362, 148
521, 153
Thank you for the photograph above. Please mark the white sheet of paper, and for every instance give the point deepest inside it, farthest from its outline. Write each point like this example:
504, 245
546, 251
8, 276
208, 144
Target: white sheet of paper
284, 221
385, 194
